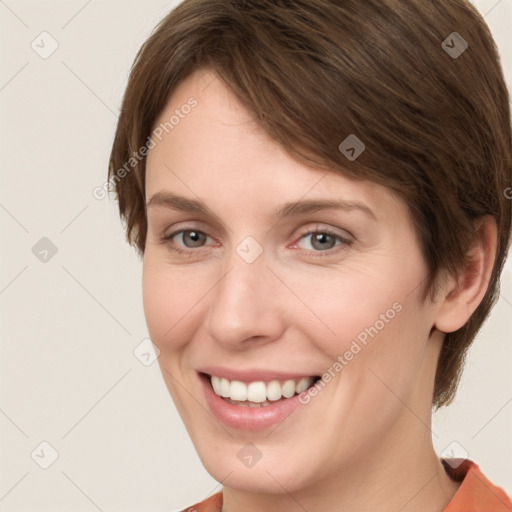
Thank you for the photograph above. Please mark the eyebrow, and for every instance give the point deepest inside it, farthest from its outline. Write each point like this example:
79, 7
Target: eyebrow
301, 207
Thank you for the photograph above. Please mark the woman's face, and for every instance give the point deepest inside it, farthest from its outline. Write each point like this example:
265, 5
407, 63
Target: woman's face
250, 291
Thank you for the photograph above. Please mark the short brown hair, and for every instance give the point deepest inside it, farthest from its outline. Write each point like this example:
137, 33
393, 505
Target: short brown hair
435, 122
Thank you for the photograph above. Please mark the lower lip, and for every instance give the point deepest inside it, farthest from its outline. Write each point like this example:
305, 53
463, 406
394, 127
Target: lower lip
248, 418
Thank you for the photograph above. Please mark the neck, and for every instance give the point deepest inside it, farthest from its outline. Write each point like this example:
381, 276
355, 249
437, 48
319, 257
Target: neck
400, 476
399, 472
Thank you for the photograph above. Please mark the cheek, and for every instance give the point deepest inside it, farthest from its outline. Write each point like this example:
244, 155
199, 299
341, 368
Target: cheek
354, 304
169, 296
156, 300
366, 319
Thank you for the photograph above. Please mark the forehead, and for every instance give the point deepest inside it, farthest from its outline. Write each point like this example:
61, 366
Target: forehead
205, 85
216, 148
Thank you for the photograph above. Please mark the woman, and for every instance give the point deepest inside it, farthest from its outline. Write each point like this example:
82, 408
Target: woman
318, 191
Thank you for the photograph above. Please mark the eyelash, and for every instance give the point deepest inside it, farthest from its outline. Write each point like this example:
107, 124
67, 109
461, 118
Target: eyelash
166, 240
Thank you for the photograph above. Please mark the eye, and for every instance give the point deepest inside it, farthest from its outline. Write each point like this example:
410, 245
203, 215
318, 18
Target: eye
324, 240
191, 239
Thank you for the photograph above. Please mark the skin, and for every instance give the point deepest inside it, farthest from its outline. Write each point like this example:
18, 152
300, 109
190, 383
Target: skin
297, 308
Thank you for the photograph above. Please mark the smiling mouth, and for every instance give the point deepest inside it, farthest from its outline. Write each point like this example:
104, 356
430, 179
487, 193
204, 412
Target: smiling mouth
258, 393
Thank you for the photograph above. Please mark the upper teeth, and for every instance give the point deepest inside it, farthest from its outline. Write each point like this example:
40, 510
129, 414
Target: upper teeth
259, 391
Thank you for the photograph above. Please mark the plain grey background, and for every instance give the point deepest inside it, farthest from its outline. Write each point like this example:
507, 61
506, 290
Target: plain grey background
72, 322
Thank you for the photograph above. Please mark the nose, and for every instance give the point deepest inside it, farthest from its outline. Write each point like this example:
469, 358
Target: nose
246, 304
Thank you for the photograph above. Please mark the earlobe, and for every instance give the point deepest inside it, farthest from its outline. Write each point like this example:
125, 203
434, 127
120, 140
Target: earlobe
463, 294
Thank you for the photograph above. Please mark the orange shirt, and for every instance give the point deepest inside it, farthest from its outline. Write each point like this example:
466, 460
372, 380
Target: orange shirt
475, 494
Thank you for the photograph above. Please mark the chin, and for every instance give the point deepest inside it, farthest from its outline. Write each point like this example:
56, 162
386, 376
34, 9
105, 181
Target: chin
264, 477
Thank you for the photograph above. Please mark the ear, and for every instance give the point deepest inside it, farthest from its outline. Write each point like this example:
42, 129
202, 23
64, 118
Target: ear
463, 293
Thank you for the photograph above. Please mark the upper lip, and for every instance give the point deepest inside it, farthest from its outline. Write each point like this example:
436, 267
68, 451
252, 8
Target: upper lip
252, 375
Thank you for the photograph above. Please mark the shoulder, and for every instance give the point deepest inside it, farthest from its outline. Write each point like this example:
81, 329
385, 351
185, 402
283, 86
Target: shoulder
476, 492
211, 504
